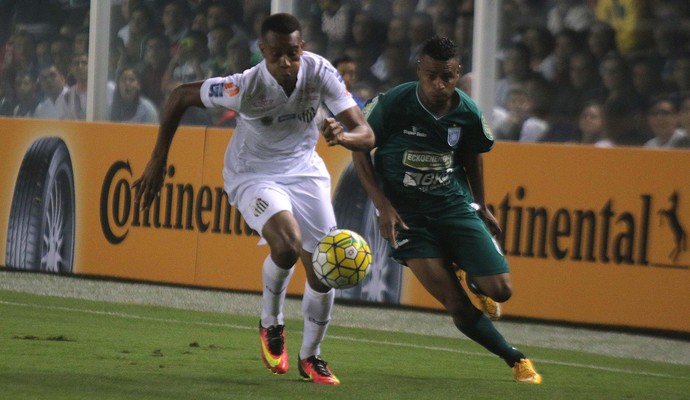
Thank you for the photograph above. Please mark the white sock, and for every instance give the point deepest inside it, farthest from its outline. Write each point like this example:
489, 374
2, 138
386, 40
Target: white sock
275, 280
316, 308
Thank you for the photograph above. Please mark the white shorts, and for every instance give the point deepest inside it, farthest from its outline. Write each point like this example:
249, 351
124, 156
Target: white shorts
308, 200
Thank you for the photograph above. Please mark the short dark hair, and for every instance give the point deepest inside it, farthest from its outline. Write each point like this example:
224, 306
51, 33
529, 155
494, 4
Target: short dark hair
342, 59
440, 48
283, 23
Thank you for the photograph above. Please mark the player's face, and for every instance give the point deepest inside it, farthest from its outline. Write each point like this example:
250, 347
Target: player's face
282, 53
437, 82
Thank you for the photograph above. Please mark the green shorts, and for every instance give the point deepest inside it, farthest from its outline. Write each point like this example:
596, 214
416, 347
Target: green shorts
456, 234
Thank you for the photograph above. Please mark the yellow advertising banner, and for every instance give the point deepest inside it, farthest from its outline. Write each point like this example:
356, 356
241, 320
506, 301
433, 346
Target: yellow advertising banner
592, 235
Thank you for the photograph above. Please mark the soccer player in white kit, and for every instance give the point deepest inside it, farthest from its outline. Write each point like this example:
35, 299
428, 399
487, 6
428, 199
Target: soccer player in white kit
273, 174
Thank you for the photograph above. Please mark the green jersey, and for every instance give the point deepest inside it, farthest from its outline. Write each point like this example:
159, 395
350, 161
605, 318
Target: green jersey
416, 150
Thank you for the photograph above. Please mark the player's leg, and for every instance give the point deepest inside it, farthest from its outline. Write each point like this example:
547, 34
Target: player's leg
440, 281
266, 208
312, 207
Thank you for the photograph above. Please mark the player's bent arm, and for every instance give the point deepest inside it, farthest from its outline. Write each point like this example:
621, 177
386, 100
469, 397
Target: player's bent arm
359, 136
388, 216
180, 99
151, 180
474, 169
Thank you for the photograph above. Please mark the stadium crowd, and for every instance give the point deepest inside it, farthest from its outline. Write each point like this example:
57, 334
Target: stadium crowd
600, 72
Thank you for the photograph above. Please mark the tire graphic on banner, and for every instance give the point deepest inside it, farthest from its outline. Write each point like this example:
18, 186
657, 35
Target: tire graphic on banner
40, 236
354, 210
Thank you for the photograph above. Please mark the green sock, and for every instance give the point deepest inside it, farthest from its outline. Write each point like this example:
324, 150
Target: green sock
485, 333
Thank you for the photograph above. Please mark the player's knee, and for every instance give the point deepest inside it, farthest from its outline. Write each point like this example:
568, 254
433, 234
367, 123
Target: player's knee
460, 309
286, 253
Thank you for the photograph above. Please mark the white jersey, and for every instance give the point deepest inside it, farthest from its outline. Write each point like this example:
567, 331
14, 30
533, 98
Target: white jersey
276, 135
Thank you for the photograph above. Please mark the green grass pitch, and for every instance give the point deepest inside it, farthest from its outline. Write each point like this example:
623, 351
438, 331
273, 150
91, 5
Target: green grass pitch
58, 348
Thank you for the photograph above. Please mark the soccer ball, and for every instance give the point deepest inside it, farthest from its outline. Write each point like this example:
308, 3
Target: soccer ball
341, 259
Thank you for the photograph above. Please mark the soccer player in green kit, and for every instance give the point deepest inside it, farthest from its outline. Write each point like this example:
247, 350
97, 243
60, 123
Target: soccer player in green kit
428, 188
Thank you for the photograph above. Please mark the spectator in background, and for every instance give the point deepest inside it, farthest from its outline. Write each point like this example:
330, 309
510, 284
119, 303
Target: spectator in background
669, 40
196, 116
199, 22
540, 43
141, 24
601, 40
74, 106
420, 29
390, 69
590, 125
125, 14
627, 18
186, 64
175, 19
684, 113
524, 120
368, 33
584, 85
26, 98
216, 65
566, 43
646, 78
622, 122
347, 68
156, 56
679, 80
663, 122
336, 24
617, 79
20, 57
569, 14
463, 33
128, 103
515, 70
54, 88
80, 43
61, 53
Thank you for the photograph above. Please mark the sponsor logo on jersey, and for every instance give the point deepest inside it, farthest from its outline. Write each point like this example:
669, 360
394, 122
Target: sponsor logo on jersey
427, 160
454, 134
286, 117
307, 115
425, 181
262, 101
260, 205
215, 90
218, 89
414, 132
231, 89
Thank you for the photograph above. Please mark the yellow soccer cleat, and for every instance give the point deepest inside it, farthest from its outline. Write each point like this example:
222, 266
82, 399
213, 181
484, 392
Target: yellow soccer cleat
524, 372
486, 303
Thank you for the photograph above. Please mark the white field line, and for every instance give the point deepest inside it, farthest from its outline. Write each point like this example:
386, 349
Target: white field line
378, 342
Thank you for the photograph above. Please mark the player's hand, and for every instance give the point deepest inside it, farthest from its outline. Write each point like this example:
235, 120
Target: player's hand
490, 221
389, 219
149, 185
332, 131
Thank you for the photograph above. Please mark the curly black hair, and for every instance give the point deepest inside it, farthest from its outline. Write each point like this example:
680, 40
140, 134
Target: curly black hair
440, 48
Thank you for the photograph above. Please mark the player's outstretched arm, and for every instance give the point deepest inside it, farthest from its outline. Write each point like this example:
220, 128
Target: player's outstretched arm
388, 217
151, 180
359, 136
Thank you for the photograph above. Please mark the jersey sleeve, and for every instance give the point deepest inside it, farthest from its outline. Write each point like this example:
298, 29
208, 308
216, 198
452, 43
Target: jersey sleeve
335, 94
374, 113
478, 137
222, 92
